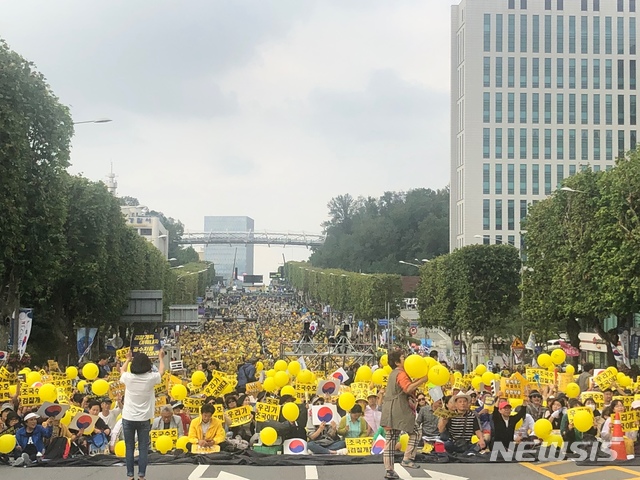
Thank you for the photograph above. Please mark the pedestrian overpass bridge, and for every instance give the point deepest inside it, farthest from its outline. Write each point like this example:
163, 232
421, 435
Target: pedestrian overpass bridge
253, 238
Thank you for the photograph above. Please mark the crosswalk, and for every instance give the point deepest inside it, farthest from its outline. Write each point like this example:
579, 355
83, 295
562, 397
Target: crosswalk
313, 472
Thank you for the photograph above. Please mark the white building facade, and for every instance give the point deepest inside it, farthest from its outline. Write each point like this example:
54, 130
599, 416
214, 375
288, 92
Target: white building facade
539, 90
148, 227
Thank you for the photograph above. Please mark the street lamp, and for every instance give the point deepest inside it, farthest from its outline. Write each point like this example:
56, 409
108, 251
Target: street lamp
179, 266
100, 120
424, 260
408, 263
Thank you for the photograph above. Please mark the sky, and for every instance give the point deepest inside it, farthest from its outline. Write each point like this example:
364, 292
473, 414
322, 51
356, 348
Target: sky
264, 108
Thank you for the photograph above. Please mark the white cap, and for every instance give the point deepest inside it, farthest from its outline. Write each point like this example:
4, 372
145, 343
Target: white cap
29, 416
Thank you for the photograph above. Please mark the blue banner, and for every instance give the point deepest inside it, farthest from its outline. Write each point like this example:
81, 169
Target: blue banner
84, 338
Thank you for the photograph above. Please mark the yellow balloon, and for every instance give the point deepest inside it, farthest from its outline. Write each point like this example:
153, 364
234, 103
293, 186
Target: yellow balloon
271, 372
554, 440
90, 371
438, 375
515, 402
558, 356
7, 444
544, 360
346, 401
415, 366
198, 377
474, 439
457, 375
570, 369
81, 386
476, 382
164, 444
430, 361
182, 442
269, 385
259, 366
288, 390
487, 378
542, 428
33, 377
290, 411
572, 390
13, 389
280, 366
268, 436
378, 377
613, 370
519, 423
384, 360
24, 371
364, 374
281, 378
71, 372
100, 387
387, 369
480, 369
626, 381
403, 441
179, 392
304, 376
583, 420
120, 449
48, 393
294, 367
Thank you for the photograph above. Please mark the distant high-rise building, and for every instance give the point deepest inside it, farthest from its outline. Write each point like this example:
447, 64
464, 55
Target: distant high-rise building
226, 257
540, 89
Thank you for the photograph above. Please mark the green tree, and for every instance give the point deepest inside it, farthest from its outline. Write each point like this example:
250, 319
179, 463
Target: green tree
35, 131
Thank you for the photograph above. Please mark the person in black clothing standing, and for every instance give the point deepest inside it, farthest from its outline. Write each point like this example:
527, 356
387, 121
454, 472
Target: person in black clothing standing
504, 424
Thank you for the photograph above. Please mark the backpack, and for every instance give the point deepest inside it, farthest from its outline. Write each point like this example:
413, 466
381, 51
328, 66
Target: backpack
58, 448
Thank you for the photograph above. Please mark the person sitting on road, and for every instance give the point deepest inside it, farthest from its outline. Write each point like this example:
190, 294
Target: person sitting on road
30, 440
353, 425
456, 432
207, 431
167, 421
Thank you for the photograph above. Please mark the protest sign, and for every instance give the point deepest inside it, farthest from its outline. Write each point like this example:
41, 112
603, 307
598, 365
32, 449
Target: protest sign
253, 388
598, 397
6, 375
5, 394
512, 388
294, 446
146, 343
172, 433
571, 413
265, 412
359, 446
160, 402
197, 449
629, 420
193, 405
83, 421
216, 386
324, 413
176, 365
29, 397
604, 379
121, 354
240, 415
540, 376
271, 401
116, 390
218, 412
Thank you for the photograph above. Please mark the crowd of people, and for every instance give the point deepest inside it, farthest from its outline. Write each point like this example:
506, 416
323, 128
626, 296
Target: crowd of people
236, 394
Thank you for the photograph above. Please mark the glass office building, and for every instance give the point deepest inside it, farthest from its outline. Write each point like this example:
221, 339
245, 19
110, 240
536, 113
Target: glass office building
539, 90
225, 257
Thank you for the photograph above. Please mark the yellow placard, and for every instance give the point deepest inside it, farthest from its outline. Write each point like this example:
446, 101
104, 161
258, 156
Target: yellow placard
540, 376
359, 446
172, 433
53, 366
193, 405
216, 386
195, 448
512, 388
6, 375
116, 389
489, 403
62, 396
159, 389
121, 354
564, 379
74, 410
5, 395
218, 412
265, 411
29, 397
629, 420
604, 379
598, 397
360, 390
626, 400
271, 401
160, 402
240, 415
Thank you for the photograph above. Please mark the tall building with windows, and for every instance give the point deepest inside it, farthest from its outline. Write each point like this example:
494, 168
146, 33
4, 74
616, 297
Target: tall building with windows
226, 257
539, 90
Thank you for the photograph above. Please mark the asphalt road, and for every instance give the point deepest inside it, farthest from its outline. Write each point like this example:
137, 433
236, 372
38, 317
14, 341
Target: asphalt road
565, 470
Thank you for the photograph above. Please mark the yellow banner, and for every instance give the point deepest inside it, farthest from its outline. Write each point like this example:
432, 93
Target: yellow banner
5, 395
197, 449
360, 390
564, 379
218, 412
121, 354
160, 402
62, 396
253, 388
359, 446
116, 389
265, 411
626, 400
240, 415
271, 401
6, 375
172, 433
511, 388
598, 397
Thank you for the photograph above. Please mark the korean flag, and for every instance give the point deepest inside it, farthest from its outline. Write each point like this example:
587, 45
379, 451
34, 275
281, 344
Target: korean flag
294, 446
